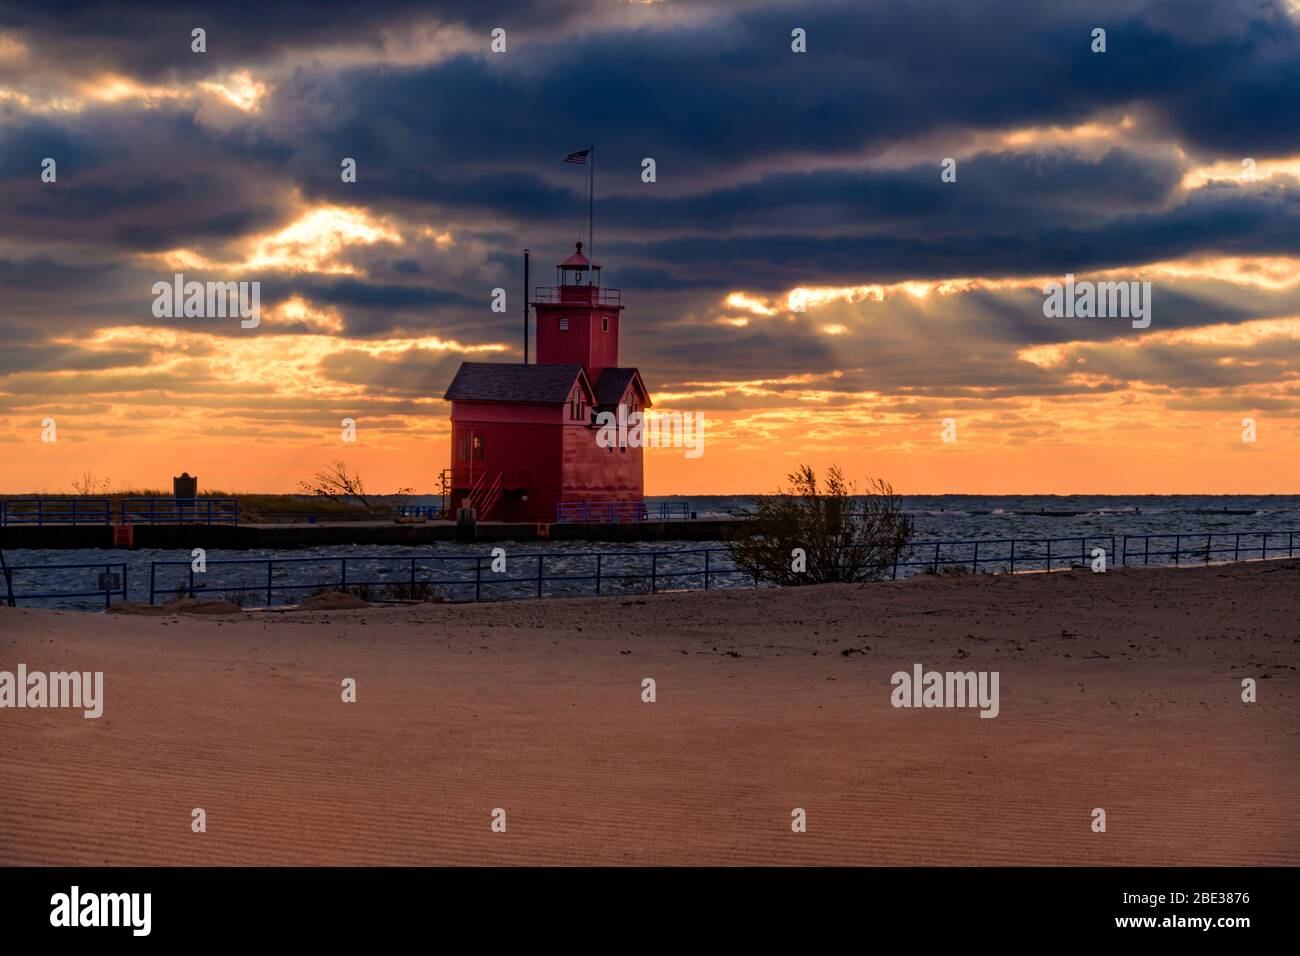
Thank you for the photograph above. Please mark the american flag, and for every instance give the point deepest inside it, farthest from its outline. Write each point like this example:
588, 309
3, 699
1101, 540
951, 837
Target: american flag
579, 158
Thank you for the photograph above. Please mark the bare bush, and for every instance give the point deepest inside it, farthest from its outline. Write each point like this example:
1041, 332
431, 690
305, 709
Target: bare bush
342, 486
88, 484
845, 536
337, 484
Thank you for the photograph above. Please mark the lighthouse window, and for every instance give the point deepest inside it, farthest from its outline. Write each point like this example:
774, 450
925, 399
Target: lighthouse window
478, 447
464, 448
604, 324
564, 324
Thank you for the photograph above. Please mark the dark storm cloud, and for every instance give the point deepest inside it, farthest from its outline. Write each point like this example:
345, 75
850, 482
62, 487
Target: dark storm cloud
138, 181
997, 190
413, 374
151, 40
63, 358
711, 97
1213, 220
478, 137
760, 157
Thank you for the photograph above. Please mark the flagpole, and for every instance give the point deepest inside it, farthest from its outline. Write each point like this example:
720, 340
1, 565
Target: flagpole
591, 209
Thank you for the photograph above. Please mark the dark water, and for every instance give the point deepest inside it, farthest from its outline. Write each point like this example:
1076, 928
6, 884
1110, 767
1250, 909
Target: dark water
1078, 523
1042, 516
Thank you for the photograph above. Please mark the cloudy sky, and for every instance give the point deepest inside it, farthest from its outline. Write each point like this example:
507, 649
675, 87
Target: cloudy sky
799, 271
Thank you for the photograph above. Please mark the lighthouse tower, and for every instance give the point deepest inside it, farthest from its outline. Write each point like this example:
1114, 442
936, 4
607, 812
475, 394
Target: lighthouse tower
577, 320
523, 439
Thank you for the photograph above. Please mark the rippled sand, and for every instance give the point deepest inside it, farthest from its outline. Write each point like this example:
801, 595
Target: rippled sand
1120, 691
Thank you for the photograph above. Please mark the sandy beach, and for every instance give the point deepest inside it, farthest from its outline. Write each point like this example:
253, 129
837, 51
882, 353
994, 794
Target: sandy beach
1120, 691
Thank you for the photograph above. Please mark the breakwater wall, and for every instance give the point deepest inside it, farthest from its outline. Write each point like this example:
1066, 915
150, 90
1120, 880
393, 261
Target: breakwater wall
289, 536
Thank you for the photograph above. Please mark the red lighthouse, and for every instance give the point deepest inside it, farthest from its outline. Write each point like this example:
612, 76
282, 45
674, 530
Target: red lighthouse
523, 437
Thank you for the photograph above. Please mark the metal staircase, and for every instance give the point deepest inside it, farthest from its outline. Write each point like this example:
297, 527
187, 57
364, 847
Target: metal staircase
485, 496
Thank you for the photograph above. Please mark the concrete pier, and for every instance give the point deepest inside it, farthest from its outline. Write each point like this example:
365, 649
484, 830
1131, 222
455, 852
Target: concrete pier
285, 536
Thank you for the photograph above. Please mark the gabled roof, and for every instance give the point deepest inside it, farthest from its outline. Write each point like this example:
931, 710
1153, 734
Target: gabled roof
613, 383
505, 382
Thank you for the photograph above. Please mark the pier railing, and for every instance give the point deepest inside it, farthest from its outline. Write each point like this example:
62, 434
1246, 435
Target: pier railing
179, 511
620, 512
1241, 545
431, 512
1134, 550
55, 511
78, 511
1003, 554
449, 577
469, 577
109, 581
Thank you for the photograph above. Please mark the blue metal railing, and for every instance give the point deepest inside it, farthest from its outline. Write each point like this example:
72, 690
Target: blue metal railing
179, 511
101, 511
432, 512
620, 512
401, 578
55, 511
406, 577
1029, 554
1242, 545
111, 582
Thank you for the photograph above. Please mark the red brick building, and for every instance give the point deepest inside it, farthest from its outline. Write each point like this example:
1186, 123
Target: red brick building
523, 437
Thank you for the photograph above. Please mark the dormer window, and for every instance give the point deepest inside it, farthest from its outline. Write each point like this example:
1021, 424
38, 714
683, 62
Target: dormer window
564, 324
576, 406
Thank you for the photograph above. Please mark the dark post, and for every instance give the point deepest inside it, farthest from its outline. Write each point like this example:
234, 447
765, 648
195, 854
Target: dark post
466, 526
9, 580
184, 488
525, 306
